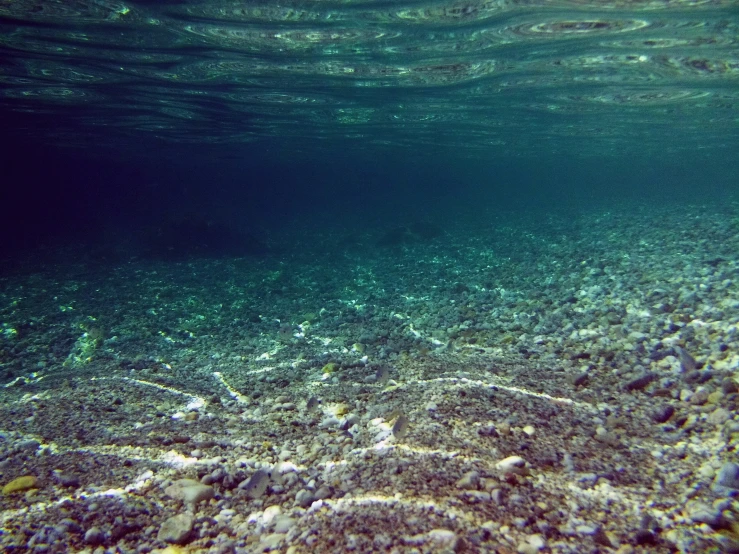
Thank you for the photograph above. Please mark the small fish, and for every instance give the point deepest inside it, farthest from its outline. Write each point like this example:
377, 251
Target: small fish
382, 374
687, 362
256, 485
312, 403
400, 427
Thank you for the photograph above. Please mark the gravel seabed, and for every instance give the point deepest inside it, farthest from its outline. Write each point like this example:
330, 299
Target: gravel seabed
528, 383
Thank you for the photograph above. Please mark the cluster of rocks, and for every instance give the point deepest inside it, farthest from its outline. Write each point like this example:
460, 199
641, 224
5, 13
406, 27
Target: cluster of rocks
531, 388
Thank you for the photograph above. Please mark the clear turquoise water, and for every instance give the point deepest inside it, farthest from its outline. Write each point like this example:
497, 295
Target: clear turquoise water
477, 78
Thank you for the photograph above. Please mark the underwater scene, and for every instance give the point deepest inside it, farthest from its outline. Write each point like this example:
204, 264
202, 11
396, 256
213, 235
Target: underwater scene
369, 276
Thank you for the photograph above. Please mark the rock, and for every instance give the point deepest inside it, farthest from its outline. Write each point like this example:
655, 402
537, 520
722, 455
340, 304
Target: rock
663, 413
304, 498
699, 397
701, 513
94, 536
607, 437
443, 538
640, 382
579, 380
719, 416
729, 386
189, 491
29, 445
698, 377
283, 524
469, 481
270, 541
488, 431
512, 464
644, 537
533, 544
600, 537
728, 476
21, 484
68, 480
176, 529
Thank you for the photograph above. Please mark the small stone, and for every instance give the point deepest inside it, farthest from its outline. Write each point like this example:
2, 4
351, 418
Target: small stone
729, 386
529, 430
663, 413
702, 513
600, 537
304, 498
719, 416
94, 536
176, 529
487, 431
579, 380
607, 437
715, 397
728, 476
644, 537
512, 464
21, 484
68, 480
270, 541
469, 481
444, 538
640, 382
189, 491
699, 397
283, 524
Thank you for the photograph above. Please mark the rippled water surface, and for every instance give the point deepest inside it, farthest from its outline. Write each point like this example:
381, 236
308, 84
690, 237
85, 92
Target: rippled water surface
513, 75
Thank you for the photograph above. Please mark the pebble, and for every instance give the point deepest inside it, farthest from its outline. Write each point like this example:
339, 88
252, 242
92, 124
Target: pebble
699, 397
663, 413
579, 380
533, 544
641, 382
443, 538
729, 386
719, 416
68, 480
176, 529
94, 536
727, 477
469, 481
21, 484
189, 491
600, 537
271, 541
304, 498
283, 524
512, 464
701, 513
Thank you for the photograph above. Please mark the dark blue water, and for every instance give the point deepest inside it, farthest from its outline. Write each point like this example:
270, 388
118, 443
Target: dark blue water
255, 114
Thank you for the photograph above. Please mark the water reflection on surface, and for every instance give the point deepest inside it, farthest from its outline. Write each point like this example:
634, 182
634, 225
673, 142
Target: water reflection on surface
515, 75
